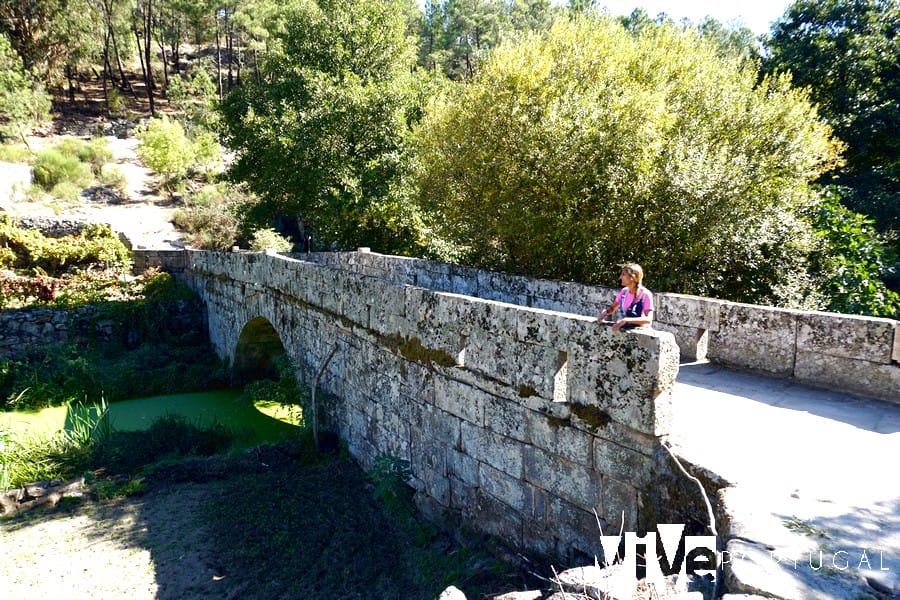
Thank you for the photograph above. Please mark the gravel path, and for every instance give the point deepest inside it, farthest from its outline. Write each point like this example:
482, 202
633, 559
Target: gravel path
142, 215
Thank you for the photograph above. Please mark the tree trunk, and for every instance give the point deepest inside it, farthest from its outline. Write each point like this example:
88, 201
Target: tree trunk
230, 43
219, 57
148, 77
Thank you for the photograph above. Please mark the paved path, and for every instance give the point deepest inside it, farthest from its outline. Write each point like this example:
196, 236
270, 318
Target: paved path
814, 499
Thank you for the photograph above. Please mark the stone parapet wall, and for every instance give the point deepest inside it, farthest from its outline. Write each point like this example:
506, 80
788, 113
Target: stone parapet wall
171, 261
851, 353
517, 421
24, 330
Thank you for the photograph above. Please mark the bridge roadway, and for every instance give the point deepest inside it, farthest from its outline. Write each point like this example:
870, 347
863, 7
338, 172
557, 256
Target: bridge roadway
814, 474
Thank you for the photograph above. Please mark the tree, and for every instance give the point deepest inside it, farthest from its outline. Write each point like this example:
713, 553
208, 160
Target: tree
850, 261
847, 53
320, 137
574, 151
166, 149
23, 102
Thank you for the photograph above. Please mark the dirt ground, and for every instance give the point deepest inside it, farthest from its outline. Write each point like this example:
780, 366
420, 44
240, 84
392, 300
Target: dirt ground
257, 526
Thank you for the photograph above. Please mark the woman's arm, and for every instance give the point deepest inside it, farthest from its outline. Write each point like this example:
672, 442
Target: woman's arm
612, 308
608, 311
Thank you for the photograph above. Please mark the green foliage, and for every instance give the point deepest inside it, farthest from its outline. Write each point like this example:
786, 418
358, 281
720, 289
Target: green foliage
320, 135
847, 54
170, 437
208, 217
54, 166
110, 489
86, 423
207, 152
62, 373
59, 456
114, 178
144, 351
95, 245
574, 151
284, 390
269, 239
852, 261
23, 102
34, 458
391, 476
165, 148
96, 152
15, 154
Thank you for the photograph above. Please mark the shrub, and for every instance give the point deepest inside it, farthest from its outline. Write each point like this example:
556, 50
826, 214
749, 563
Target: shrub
54, 166
96, 153
114, 178
207, 152
67, 190
574, 150
117, 102
169, 437
208, 217
269, 239
166, 149
96, 245
14, 154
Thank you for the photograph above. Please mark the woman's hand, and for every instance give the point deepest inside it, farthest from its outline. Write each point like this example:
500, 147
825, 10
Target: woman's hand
617, 326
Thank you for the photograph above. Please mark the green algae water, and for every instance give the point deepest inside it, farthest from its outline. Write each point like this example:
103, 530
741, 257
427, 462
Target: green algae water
252, 423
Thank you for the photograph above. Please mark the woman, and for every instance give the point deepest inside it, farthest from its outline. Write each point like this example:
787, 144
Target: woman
634, 302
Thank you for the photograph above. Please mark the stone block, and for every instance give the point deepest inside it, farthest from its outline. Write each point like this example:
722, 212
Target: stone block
856, 376
619, 390
557, 437
550, 328
576, 526
493, 356
436, 425
688, 311
563, 478
502, 453
506, 489
759, 338
847, 336
692, 343
463, 496
464, 280
621, 463
541, 371
496, 518
895, 355
506, 417
436, 486
460, 400
619, 502
463, 467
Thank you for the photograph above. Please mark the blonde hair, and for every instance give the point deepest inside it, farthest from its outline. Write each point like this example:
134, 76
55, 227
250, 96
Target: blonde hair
635, 271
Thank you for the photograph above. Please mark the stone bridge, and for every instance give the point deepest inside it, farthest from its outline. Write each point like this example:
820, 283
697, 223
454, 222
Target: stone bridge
520, 416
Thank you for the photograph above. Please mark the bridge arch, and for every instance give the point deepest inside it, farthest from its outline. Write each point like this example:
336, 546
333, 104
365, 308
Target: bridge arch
257, 348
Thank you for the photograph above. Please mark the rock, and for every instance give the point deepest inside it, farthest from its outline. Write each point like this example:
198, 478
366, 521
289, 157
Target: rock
529, 595
618, 583
39, 493
452, 593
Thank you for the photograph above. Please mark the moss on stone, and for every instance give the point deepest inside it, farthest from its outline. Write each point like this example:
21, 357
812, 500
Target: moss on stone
526, 391
412, 349
594, 416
